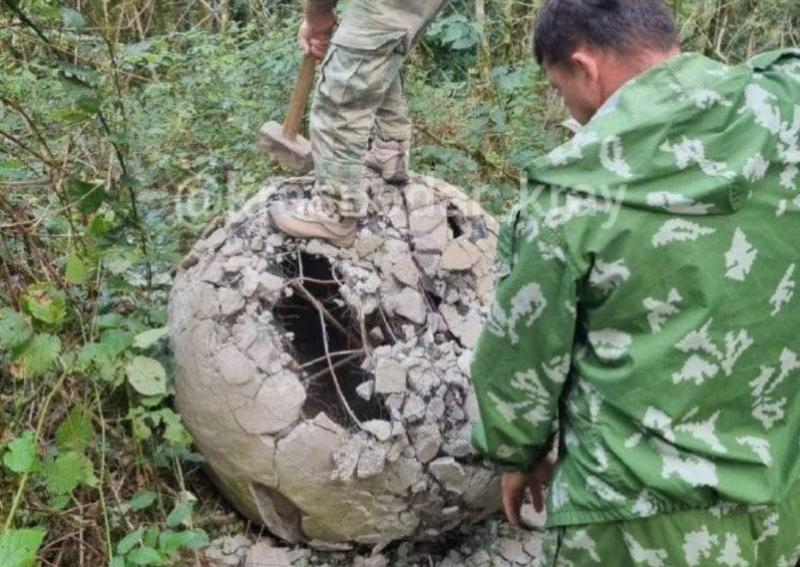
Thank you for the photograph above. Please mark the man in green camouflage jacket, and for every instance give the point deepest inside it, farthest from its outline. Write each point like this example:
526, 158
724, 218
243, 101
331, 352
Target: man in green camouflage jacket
647, 308
359, 92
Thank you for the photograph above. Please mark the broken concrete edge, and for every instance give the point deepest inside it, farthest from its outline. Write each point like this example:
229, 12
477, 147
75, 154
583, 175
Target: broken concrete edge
259, 430
488, 542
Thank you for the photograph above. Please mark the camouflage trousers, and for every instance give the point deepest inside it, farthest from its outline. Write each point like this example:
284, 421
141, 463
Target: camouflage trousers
727, 535
360, 91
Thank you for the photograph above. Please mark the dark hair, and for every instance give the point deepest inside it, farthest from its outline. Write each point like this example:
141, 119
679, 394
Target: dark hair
619, 25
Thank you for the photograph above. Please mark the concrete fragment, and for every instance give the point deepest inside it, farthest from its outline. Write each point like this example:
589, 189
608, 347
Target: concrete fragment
270, 286
533, 544
435, 241
245, 334
234, 247
277, 405
372, 460
376, 335
379, 428
481, 558
467, 327
215, 239
230, 301
390, 377
458, 443
227, 551
213, 273
207, 302
418, 195
346, 458
265, 355
276, 239
394, 403
249, 281
404, 474
483, 490
365, 390
366, 245
512, 550
264, 555
424, 382
427, 440
533, 519
378, 560
396, 450
236, 544
409, 303
414, 409
235, 264
465, 361
436, 409
450, 474
428, 262
398, 429
405, 270
398, 217
426, 219
234, 367
460, 255
323, 545
318, 247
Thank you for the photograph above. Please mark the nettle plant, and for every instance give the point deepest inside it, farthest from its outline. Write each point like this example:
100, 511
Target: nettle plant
85, 414
61, 464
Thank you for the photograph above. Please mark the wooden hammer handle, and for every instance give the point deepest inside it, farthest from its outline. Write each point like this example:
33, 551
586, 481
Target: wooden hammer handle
302, 88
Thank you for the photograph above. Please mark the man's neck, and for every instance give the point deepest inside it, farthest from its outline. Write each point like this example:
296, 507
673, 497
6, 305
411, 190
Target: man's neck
628, 67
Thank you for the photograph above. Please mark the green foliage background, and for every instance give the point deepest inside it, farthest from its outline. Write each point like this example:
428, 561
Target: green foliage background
124, 128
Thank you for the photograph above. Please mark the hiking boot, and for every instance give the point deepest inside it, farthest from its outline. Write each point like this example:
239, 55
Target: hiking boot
307, 219
390, 159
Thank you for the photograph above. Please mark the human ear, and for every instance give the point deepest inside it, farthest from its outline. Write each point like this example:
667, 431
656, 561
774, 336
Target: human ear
586, 66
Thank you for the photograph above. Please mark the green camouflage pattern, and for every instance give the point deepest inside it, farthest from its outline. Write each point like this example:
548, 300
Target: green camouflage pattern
360, 91
646, 306
724, 536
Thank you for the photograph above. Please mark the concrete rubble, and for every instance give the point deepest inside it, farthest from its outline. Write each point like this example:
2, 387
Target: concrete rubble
378, 450
489, 543
265, 555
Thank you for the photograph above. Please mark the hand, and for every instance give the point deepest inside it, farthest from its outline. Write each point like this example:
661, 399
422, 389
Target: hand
514, 486
315, 33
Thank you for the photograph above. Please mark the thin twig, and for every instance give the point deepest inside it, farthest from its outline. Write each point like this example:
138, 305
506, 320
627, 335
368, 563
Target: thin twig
23, 481
337, 353
302, 279
333, 372
101, 494
388, 325
182, 485
335, 365
321, 308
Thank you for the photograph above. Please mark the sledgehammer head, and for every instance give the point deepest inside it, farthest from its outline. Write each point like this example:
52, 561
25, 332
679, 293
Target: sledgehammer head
292, 152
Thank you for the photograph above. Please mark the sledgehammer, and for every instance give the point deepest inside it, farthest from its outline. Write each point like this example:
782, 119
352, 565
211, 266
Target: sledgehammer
283, 142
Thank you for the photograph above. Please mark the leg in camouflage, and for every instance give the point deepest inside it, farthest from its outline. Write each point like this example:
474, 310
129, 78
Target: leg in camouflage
360, 89
352, 86
727, 535
389, 152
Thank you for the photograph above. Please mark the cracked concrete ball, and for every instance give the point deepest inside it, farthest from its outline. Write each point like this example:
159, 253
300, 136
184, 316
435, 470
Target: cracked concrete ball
328, 388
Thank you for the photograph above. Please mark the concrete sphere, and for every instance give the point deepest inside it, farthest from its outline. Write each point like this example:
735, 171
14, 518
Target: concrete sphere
328, 389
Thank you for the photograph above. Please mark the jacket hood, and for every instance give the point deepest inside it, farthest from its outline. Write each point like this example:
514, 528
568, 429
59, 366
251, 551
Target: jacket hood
643, 148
